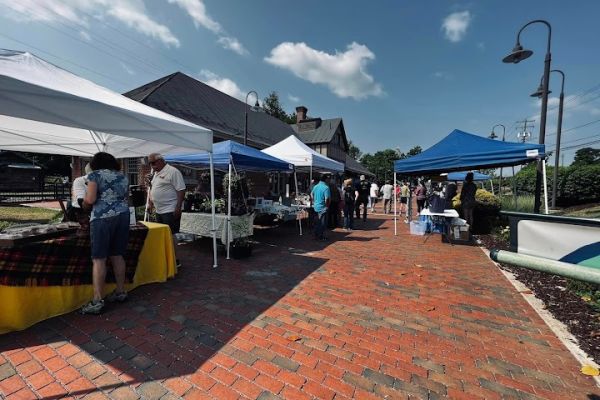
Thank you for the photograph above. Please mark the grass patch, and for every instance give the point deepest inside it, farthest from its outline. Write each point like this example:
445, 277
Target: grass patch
591, 212
20, 215
525, 203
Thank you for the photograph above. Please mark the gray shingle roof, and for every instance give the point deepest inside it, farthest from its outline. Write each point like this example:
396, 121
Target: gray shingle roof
323, 134
185, 97
355, 167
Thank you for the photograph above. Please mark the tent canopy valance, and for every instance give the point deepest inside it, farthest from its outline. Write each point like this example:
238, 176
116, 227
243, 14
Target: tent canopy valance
461, 151
297, 153
46, 109
243, 157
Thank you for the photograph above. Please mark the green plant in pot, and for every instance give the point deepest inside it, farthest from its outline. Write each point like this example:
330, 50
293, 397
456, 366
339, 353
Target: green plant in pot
241, 248
239, 193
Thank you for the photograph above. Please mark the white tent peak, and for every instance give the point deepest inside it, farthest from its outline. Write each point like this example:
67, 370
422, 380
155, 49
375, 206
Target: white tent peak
294, 151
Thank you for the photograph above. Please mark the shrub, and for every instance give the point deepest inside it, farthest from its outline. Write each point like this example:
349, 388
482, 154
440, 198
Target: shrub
486, 211
580, 185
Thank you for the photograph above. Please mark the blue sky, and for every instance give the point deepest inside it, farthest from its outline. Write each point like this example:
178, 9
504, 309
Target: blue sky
400, 73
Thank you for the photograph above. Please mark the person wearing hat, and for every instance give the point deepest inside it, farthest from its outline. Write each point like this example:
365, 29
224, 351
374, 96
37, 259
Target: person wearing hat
363, 189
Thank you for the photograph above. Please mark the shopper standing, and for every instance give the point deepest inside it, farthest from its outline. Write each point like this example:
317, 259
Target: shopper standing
166, 194
107, 194
467, 198
349, 200
321, 197
421, 194
333, 210
374, 192
362, 197
386, 191
404, 198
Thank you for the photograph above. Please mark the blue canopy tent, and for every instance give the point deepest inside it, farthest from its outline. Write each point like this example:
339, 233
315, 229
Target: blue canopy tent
225, 156
225, 153
460, 151
460, 176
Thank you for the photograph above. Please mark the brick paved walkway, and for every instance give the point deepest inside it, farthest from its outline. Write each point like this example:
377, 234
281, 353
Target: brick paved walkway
367, 315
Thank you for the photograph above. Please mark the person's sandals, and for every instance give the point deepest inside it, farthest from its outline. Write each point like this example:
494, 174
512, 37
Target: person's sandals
94, 307
178, 263
115, 296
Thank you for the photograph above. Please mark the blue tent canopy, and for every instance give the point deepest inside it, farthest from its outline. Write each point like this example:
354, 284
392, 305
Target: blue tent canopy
461, 151
244, 158
460, 176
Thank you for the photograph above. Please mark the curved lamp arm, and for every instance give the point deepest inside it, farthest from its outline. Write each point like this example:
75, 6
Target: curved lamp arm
540, 21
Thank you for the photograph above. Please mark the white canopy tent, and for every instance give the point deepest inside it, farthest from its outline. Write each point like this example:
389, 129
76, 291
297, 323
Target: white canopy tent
295, 152
45, 109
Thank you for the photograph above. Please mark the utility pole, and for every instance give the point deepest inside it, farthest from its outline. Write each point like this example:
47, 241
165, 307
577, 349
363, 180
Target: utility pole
524, 135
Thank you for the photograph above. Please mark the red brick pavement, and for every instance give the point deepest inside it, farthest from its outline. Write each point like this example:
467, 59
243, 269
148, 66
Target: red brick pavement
366, 315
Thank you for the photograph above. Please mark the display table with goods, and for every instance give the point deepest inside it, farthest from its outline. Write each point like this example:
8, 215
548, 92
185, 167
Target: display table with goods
40, 279
447, 223
200, 224
282, 212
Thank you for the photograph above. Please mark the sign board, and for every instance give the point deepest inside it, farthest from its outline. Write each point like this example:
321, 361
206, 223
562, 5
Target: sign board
532, 153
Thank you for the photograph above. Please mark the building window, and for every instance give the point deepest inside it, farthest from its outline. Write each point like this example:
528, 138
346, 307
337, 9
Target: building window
131, 170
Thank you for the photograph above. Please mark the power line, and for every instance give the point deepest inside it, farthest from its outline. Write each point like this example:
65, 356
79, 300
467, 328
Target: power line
576, 127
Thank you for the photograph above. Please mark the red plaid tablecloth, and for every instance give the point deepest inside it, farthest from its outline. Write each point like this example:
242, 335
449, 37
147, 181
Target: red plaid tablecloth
63, 261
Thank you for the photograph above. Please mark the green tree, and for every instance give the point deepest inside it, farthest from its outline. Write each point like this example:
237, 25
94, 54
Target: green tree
586, 156
414, 151
354, 151
381, 163
273, 107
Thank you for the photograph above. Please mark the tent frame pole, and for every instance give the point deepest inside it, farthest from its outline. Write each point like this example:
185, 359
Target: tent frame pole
212, 202
395, 208
545, 187
229, 209
296, 196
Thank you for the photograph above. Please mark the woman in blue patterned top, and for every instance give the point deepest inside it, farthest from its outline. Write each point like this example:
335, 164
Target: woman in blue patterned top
107, 194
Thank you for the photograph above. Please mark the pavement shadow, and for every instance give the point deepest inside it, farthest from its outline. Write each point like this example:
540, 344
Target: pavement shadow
173, 329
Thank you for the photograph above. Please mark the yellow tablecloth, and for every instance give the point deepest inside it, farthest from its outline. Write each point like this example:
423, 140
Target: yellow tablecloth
23, 306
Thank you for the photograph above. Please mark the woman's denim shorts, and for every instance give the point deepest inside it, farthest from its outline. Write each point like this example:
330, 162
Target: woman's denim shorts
109, 236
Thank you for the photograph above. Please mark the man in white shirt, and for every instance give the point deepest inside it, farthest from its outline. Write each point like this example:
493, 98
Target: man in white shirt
166, 193
387, 190
79, 187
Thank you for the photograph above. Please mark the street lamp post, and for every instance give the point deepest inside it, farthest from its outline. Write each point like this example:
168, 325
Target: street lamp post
256, 107
519, 54
494, 136
538, 93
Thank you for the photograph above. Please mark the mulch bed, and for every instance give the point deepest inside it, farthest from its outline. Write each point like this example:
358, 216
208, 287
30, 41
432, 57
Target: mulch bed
568, 307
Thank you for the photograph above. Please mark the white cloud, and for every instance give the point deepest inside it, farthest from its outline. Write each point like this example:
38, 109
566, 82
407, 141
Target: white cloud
456, 24
132, 13
224, 85
197, 11
231, 43
293, 99
344, 73
127, 69
85, 36
481, 46
442, 75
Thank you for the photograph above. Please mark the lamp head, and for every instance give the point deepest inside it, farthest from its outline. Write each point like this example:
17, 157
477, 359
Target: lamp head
539, 92
257, 108
493, 135
517, 55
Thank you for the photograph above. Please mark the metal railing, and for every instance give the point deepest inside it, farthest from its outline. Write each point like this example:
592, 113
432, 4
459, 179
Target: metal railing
50, 192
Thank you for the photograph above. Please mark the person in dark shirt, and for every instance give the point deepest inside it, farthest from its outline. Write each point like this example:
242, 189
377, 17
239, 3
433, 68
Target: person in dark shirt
349, 199
333, 211
450, 194
467, 198
363, 189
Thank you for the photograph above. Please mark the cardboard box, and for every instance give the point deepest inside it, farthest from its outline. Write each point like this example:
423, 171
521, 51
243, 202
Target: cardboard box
460, 232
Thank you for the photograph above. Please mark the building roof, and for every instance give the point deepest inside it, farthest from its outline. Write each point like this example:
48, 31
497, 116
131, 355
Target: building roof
356, 168
185, 97
325, 129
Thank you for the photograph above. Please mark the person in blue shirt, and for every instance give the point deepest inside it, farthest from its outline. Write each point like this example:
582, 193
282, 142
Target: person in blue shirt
321, 197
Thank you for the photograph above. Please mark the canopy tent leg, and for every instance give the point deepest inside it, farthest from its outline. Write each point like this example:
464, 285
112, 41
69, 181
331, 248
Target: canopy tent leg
395, 208
296, 183
545, 187
492, 185
229, 210
146, 211
409, 211
310, 177
514, 187
212, 202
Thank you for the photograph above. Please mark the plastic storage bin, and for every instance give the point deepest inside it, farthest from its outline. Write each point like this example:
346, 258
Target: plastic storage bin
418, 228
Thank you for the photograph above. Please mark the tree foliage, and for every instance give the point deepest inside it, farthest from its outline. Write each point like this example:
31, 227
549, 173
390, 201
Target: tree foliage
354, 151
414, 151
381, 163
273, 107
586, 156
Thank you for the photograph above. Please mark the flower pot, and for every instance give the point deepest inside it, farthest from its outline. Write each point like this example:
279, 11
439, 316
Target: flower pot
241, 251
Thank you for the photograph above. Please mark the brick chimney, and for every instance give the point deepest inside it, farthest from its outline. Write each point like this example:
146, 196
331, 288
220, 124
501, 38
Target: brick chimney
301, 112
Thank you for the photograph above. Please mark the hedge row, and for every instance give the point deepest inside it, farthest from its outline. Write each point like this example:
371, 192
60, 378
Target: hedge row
576, 184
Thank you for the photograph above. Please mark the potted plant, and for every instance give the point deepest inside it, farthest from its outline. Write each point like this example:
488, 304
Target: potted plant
241, 248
